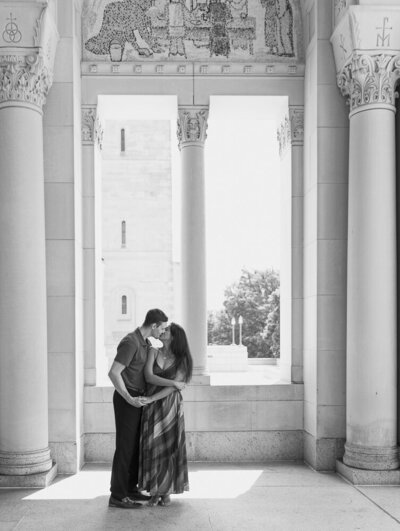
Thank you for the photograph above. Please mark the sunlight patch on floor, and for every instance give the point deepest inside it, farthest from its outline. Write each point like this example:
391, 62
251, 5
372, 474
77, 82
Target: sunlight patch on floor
204, 484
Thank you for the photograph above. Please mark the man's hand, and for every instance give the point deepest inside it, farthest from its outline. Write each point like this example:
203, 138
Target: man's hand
136, 401
179, 385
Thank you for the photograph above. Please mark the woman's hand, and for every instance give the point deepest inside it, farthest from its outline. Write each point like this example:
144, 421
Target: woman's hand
179, 385
146, 400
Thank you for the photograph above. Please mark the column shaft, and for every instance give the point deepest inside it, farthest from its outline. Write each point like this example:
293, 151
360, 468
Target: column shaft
23, 320
194, 305
371, 292
192, 125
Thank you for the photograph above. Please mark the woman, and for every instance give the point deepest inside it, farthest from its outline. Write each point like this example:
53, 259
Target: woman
163, 462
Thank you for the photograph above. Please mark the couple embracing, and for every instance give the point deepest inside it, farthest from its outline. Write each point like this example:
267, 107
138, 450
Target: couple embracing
150, 452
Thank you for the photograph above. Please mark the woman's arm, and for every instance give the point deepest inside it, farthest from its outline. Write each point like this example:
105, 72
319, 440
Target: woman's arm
165, 392
151, 378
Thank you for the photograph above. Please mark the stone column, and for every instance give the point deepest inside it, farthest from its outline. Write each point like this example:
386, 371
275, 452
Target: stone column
192, 125
369, 82
25, 78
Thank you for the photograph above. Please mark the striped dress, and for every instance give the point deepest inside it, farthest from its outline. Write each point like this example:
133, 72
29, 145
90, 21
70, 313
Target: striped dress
163, 460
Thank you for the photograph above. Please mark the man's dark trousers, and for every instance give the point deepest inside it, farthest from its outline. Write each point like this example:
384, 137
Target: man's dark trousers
125, 467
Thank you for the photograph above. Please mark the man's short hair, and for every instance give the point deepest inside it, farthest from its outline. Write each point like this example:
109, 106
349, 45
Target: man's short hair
155, 316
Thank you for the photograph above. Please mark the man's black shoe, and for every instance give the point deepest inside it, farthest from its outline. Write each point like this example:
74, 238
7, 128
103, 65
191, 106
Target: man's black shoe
125, 503
140, 496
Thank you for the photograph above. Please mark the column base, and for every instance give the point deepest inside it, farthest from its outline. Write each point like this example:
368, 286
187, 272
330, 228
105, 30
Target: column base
371, 457
356, 476
30, 481
25, 463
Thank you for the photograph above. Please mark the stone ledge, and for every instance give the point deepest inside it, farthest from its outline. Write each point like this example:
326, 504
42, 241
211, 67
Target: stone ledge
223, 393
357, 476
31, 481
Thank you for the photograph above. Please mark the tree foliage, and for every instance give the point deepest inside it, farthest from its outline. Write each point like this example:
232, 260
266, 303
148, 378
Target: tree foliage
255, 296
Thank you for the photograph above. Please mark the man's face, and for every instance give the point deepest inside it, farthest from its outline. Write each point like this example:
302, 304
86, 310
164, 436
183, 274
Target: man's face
157, 331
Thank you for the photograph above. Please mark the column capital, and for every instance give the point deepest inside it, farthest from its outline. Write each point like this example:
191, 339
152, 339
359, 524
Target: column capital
28, 42
92, 128
366, 46
192, 125
369, 80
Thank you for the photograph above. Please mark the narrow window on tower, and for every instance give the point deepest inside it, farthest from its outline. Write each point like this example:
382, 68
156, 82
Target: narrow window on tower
122, 140
123, 234
124, 305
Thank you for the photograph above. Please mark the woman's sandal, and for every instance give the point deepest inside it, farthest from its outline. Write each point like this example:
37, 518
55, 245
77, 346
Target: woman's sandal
153, 501
165, 500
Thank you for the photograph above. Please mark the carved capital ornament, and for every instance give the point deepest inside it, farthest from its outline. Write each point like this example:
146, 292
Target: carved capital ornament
370, 80
192, 125
24, 79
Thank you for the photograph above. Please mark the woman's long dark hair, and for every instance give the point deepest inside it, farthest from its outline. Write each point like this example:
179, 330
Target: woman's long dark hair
180, 348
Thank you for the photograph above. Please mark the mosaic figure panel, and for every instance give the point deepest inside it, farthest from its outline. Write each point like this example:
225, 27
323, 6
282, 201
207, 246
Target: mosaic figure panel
128, 30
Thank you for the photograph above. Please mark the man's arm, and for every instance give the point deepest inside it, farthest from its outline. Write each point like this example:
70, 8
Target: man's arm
151, 378
119, 384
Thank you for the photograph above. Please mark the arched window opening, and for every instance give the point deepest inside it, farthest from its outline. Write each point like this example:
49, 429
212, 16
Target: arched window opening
122, 140
124, 305
123, 234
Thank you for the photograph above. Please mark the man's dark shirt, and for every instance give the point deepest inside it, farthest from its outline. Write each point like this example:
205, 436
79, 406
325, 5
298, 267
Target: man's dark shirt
132, 352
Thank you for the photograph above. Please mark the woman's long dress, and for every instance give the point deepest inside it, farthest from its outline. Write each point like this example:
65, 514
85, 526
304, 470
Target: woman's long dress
163, 460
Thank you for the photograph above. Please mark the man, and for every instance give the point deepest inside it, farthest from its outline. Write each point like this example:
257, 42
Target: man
127, 376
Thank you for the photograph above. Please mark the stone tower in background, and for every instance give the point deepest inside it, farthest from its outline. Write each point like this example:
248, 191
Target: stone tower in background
136, 225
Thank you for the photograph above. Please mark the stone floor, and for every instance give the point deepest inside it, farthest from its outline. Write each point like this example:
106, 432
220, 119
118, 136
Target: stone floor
223, 497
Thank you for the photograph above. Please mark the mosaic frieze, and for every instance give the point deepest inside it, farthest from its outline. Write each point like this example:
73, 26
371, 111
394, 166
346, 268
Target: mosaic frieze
128, 30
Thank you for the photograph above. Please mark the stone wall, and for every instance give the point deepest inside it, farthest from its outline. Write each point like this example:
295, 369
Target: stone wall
223, 423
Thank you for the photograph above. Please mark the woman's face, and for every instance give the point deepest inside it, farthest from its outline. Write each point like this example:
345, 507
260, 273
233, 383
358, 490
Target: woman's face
166, 335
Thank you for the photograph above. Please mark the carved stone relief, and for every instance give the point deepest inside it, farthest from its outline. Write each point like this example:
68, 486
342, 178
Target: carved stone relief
11, 33
192, 125
126, 30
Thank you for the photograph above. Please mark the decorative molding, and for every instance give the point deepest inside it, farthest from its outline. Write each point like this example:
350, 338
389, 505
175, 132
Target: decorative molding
284, 136
171, 69
24, 79
192, 125
296, 115
370, 80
